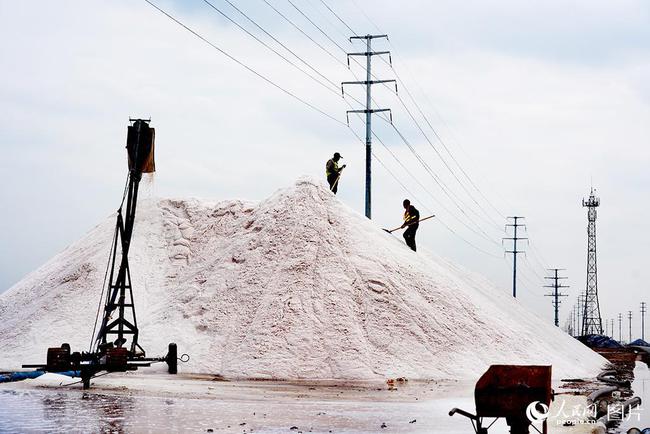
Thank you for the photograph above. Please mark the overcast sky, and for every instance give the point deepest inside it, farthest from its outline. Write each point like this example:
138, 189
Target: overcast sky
533, 99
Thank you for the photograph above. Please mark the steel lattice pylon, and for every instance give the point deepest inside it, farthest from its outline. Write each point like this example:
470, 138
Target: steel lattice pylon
591, 321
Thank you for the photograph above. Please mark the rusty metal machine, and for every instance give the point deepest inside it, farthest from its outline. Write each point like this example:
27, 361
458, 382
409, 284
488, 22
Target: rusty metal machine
115, 348
520, 394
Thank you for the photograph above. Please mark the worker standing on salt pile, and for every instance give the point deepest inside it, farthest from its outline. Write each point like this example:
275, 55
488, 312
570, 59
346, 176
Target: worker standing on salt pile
411, 222
333, 172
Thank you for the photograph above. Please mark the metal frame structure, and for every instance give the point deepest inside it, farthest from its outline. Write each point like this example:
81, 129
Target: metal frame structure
120, 291
556, 292
368, 111
514, 250
643, 312
629, 323
107, 354
591, 319
620, 327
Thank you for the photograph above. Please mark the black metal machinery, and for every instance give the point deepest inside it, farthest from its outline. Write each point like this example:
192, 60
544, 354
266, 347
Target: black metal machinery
510, 391
123, 353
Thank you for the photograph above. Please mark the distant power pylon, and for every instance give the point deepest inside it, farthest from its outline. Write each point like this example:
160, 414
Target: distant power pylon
581, 306
574, 318
629, 321
556, 292
591, 320
368, 110
643, 311
516, 225
620, 327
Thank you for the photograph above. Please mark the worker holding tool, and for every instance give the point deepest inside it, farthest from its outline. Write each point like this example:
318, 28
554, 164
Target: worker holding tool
333, 172
411, 223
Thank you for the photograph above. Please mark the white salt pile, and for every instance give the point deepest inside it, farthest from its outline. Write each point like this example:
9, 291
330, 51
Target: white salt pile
297, 286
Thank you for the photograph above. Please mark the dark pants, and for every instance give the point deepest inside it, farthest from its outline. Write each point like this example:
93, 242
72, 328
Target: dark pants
332, 181
409, 236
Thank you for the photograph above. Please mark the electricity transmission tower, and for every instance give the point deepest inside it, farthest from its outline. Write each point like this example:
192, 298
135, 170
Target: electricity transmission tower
575, 320
581, 299
368, 110
629, 322
556, 292
620, 327
591, 320
516, 225
643, 311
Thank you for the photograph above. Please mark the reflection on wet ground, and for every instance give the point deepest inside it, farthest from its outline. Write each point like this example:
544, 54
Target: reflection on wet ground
151, 404
226, 407
641, 387
45, 410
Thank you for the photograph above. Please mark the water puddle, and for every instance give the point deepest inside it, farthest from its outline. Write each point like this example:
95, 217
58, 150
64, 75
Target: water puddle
35, 411
641, 386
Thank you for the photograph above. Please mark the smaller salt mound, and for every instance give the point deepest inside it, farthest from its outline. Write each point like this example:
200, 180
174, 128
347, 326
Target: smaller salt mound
297, 286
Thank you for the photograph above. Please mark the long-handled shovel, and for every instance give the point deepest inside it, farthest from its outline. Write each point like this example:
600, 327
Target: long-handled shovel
337, 180
390, 231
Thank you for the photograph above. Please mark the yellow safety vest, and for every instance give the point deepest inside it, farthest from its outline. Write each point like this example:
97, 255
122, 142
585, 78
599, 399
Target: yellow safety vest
408, 218
331, 167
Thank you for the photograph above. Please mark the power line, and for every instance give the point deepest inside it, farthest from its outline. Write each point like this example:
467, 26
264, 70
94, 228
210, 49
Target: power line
514, 250
242, 64
530, 266
491, 221
556, 294
368, 111
243, 29
522, 277
323, 32
629, 322
295, 26
327, 19
445, 163
443, 159
438, 217
444, 225
441, 184
316, 25
439, 154
286, 91
537, 256
643, 312
440, 204
445, 188
366, 15
329, 53
278, 42
442, 142
338, 17
335, 85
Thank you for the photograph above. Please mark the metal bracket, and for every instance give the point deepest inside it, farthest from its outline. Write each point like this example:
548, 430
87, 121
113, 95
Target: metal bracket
390, 113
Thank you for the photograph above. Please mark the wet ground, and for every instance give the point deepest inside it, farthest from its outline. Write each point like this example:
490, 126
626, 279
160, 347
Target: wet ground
641, 387
157, 403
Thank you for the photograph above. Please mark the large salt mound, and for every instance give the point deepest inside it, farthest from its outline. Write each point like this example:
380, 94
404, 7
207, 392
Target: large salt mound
297, 286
